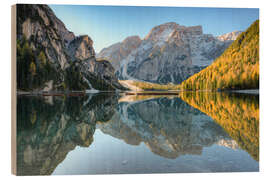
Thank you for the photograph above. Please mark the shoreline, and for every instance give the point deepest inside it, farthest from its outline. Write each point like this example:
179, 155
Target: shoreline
153, 92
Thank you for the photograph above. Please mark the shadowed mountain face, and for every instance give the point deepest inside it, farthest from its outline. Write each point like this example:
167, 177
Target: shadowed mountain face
169, 127
48, 129
48, 53
238, 114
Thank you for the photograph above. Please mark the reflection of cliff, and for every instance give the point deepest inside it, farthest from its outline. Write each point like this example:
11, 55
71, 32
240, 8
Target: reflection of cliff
238, 114
169, 127
48, 129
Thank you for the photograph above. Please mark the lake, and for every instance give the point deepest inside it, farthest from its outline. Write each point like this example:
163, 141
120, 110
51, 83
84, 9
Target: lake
109, 133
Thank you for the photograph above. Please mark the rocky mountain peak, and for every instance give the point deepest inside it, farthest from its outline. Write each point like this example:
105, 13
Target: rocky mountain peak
116, 52
132, 39
65, 34
169, 30
81, 48
86, 38
194, 30
169, 53
229, 36
129, 44
161, 32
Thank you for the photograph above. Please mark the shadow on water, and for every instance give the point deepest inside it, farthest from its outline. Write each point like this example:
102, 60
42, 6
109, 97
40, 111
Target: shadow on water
48, 128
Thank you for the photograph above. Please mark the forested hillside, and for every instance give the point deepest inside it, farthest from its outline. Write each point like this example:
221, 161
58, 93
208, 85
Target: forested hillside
33, 68
236, 68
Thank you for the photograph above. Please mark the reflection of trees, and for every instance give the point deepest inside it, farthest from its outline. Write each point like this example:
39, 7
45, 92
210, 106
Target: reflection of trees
47, 129
238, 114
169, 127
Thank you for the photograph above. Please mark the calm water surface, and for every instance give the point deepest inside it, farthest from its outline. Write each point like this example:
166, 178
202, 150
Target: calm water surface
112, 133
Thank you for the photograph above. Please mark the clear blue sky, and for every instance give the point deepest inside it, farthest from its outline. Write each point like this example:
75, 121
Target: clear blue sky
107, 25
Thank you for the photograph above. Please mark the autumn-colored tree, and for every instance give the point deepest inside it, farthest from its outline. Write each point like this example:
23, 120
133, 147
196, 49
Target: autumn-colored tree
33, 69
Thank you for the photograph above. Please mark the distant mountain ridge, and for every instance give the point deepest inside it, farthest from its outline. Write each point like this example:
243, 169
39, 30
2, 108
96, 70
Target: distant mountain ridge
169, 53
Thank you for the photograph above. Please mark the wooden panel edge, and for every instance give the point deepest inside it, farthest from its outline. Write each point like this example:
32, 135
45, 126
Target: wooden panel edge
13, 92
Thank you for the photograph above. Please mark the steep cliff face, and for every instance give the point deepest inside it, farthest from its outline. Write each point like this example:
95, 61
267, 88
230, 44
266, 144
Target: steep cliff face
44, 31
169, 53
91, 74
52, 49
81, 48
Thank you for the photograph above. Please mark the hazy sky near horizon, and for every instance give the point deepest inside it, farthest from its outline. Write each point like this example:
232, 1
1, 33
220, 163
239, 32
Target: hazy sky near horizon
107, 25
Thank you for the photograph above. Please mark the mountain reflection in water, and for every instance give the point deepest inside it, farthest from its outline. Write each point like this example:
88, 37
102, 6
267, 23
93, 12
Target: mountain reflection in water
48, 128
